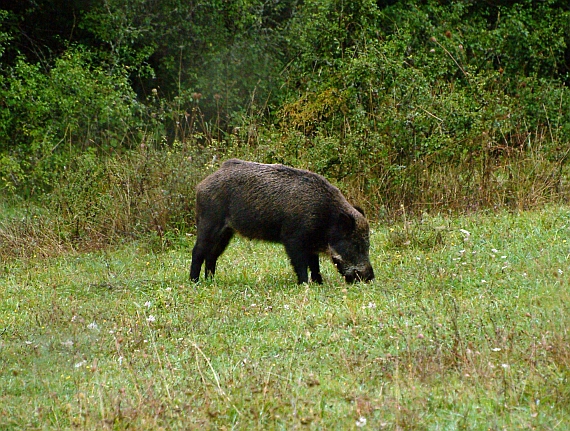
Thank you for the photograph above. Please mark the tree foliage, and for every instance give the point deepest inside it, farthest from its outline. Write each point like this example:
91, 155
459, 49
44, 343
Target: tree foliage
380, 90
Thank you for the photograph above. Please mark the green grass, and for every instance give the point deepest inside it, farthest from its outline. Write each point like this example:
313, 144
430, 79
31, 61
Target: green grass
458, 331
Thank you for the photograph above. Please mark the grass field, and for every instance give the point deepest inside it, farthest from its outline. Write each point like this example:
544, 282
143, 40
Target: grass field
465, 327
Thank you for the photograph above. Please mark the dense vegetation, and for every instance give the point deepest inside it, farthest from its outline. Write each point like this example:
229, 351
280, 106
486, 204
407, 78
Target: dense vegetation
111, 110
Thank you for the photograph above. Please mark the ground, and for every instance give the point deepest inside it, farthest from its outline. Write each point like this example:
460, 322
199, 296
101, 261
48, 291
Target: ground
465, 327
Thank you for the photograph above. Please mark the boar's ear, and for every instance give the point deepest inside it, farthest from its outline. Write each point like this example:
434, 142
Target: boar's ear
360, 210
346, 222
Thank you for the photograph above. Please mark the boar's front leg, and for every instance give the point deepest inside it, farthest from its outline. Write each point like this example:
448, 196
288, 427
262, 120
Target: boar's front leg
300, 261
314, 267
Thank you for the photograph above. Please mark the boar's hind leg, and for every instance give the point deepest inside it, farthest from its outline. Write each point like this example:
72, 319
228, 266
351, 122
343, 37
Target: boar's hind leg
219, 245
210, 244
198, 256
314, 267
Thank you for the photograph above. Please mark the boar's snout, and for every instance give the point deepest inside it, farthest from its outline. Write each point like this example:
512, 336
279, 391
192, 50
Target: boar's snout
365, 275
353, 274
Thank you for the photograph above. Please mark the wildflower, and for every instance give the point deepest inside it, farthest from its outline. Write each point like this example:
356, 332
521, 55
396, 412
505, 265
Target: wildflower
147, 304
93, 325
361, 422
151, 318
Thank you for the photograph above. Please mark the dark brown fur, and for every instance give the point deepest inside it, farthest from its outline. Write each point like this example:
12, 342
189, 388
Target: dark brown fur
297, 208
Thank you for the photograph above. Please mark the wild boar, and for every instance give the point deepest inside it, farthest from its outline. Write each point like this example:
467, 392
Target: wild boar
277, 203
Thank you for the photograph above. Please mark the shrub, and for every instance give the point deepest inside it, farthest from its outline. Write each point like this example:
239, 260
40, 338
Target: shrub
47, 118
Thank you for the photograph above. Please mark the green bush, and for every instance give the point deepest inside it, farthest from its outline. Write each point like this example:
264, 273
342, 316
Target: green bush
47, 118
434, 110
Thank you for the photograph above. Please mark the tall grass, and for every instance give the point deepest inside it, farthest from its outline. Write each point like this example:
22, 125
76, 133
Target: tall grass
146, 193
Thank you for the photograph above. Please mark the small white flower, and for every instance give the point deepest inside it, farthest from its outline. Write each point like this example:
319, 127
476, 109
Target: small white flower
371, 305
560, 271
483, 281
494, 250
361, 422
147, 304
80, 364
505, 366
151, 318
93, 325
286, 307
496, 349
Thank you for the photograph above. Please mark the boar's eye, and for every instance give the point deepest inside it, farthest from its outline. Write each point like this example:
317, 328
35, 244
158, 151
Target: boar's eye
346, 222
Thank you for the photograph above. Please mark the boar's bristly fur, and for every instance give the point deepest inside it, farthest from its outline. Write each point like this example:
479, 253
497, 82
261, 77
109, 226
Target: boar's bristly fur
295, 207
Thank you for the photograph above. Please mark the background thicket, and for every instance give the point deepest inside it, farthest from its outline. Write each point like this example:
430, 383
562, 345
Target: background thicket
112, 110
